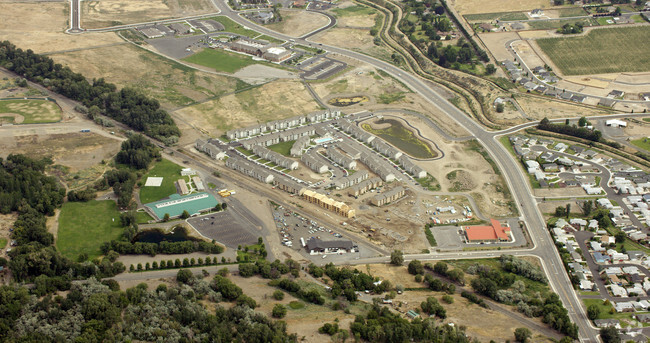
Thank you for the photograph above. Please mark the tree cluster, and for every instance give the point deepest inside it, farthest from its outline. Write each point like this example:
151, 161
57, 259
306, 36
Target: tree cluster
568, 29
575, 131
379, 324
127, 106
432, 307
164, 247
522, 267
137, 152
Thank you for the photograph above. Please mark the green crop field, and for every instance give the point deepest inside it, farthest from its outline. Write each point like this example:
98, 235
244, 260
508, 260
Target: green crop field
601, 51
170, 172
220, 60
29, 111
502, 16
232, 27
84, 226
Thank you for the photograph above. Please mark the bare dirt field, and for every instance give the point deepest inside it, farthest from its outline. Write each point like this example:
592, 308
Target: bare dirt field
526, 52
534, 34
355, 39
559, 192
550, 206
481, 6
126, 65
538, 108
298, 23
497, 41
104, 13
275, 100
44, 31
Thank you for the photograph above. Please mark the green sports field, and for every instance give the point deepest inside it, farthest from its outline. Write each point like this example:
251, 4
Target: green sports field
170, 172
84, 226
609, 50
220, 60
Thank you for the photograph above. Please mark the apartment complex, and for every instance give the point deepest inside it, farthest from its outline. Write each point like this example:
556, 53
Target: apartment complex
329, 204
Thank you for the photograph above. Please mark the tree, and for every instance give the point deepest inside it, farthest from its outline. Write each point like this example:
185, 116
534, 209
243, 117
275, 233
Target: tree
560, 211
278, 295
279, 311
490, 69
415, 267
185, 214
617, 12
610, 335
522, 334
587, 207
620, 237
397, 258
568, 210
500, 108
166, 217
184, 276
593, 311
582, 122
224, 206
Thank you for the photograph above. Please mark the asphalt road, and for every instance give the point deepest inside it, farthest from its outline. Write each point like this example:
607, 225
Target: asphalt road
544, 247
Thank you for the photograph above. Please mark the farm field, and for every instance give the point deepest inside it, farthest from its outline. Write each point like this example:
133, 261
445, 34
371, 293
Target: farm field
29, 111
609, 51
220, 60
84, 226
481, 6
170, 172
298, 23
571, 12
502, 16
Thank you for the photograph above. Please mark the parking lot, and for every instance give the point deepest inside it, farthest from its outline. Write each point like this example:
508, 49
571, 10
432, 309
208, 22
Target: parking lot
224, 228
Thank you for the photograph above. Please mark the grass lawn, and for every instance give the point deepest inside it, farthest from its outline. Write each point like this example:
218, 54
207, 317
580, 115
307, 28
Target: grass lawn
637, 18
142, 217
555, 24
84, 226
643, 143
601, 51
220, 60
313, 50
283, 148
572, 12
29, 111
353, 11
270, 39
232, 27
3, 243
605, 310
170, 172
502, 16
244, 151
429, 182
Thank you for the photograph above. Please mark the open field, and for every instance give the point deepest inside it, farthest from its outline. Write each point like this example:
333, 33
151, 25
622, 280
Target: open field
538, 108
605, 50
298, 23
496, 42
104, 13
29, 111
501, 16
84, 226
354, 39
83, 166
220, 60
271, 101
571, 12
643, 143
481, 6
169, 82
44, 31
170, 172
283, 148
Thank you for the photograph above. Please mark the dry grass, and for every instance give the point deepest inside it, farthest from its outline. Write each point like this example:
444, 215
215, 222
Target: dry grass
276, 100
40, 27
97, 14
493, 6
298, 23
126, 65
539, 108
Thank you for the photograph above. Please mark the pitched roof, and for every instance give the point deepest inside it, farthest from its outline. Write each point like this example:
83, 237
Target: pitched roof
492, 232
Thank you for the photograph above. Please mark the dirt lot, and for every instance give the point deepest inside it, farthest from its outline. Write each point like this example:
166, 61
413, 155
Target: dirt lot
43, 32
496, 42
298, 23
355, 39
126, 65
538, 108
97, 14
275, 100
493, 6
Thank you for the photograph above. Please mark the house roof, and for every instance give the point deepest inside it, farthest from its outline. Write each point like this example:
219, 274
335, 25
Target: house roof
492, 232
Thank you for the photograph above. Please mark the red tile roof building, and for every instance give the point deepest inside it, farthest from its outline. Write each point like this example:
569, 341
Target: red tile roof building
492, 233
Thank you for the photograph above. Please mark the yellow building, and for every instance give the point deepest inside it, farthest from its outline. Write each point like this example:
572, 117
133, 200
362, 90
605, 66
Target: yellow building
330, 204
